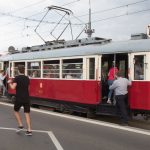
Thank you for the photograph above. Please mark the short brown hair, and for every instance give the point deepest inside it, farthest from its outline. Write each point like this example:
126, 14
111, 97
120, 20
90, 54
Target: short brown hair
21, 68
119, 73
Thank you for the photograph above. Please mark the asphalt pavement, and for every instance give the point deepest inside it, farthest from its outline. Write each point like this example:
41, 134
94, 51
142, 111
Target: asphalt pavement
54, 131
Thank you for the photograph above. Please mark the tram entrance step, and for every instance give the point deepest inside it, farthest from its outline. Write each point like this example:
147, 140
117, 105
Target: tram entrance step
106, 109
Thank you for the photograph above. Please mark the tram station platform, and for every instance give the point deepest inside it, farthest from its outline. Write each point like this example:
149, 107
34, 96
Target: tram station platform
54, 131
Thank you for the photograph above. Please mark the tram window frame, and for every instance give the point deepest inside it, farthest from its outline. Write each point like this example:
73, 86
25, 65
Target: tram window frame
72, 68
34, 71
139, 67
52, 69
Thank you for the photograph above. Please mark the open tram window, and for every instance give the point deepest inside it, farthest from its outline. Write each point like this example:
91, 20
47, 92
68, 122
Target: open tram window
72, 68
51, 69
139, 67
34, 69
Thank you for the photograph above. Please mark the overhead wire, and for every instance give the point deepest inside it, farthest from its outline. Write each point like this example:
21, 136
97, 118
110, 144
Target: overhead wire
77, 17
9, 14
126, 14
26, 18
117, 16
114, 8
31, 5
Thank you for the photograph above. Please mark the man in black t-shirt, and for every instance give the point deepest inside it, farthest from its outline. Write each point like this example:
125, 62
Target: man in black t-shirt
21, 84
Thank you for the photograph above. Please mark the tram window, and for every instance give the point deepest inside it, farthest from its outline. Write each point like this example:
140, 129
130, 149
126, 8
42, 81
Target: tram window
72, 68
92, 68
139, 67
16, 67
51, 69
34, 69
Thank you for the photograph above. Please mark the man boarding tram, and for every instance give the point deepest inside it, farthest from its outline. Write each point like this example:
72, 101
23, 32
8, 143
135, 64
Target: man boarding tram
120, 86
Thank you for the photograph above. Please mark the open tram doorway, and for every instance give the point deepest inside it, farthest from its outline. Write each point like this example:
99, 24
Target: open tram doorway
121, 62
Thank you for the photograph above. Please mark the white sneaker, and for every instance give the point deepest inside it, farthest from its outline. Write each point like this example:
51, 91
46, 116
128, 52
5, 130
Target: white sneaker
109, 101
20, 128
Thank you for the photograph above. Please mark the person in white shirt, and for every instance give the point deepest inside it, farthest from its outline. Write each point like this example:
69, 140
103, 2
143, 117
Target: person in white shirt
2, 86
120, 86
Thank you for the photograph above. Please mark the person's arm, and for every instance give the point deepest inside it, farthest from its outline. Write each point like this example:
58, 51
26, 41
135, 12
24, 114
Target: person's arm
11, 84
129, 80
4, 76
113, 86
1, 77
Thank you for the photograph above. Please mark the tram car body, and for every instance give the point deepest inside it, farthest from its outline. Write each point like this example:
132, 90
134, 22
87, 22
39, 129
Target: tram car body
74, 77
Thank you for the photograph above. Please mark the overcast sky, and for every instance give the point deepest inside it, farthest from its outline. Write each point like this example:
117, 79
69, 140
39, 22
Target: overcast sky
110, 19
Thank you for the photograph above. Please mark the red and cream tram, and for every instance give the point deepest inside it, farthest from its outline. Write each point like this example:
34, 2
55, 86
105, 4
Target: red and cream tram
73, 75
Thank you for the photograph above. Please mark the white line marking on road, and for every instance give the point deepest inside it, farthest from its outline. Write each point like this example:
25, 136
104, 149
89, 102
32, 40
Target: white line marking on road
3, 128
50, 133
55, 141
101, 123
14, 129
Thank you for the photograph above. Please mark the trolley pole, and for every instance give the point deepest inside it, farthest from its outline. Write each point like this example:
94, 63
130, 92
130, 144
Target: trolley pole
89, 30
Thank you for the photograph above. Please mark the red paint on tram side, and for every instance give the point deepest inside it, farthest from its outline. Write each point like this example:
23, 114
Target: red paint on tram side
85, 92
139, 95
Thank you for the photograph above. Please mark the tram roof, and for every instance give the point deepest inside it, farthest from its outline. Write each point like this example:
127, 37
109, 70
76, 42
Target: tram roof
113, 47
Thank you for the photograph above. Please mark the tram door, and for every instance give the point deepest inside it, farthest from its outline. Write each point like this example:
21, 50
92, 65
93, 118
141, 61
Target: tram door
120, 61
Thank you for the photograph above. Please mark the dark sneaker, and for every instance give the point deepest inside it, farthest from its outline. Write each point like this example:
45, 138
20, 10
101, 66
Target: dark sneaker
28, 133
20, 128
